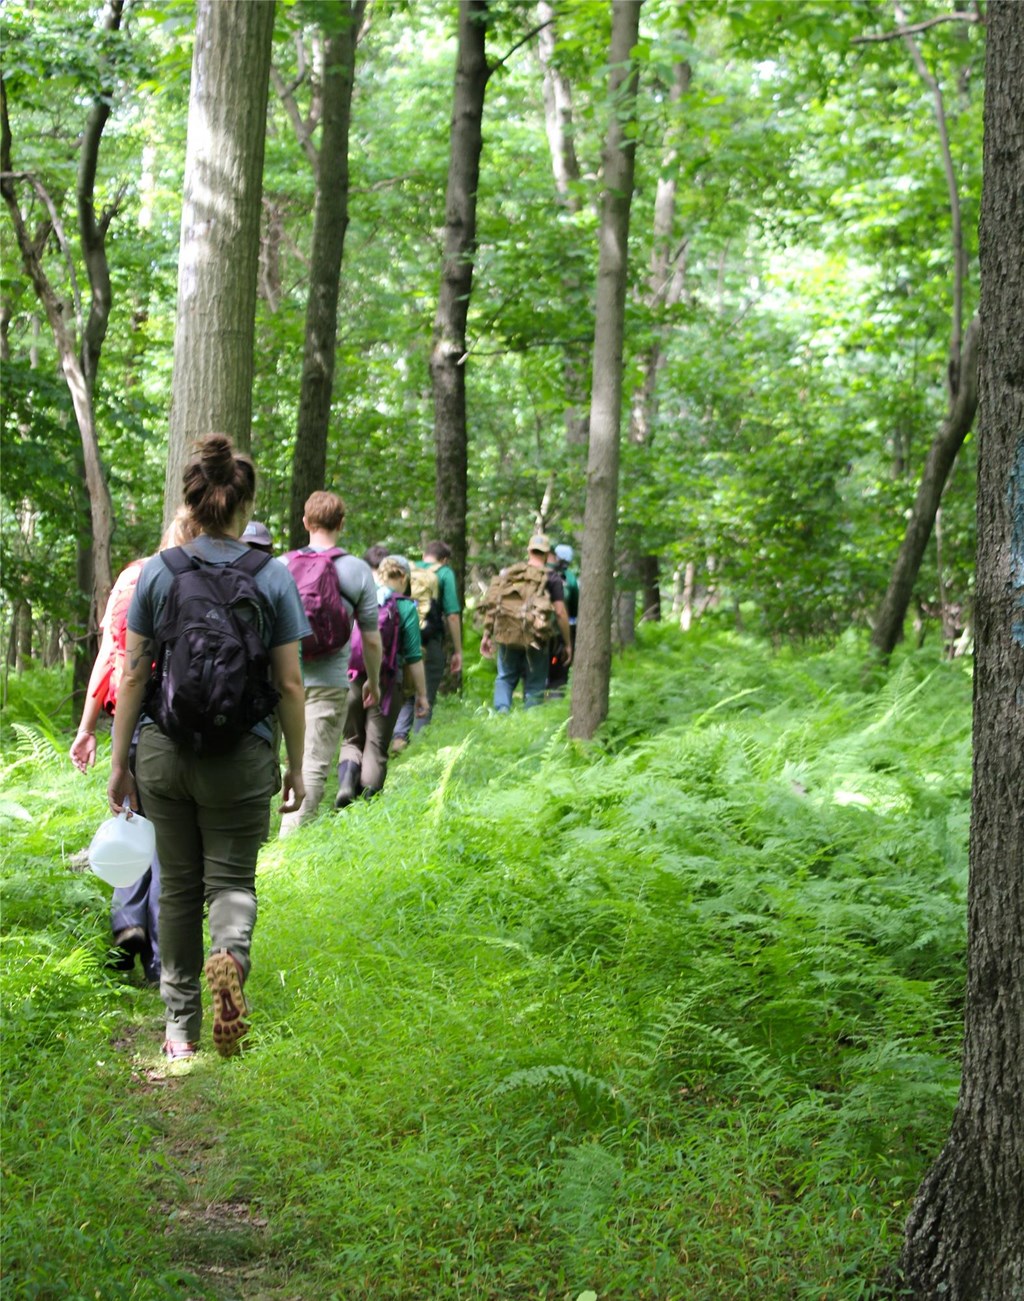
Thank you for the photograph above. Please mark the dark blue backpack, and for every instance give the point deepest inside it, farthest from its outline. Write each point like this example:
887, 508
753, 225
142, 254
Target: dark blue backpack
212, 681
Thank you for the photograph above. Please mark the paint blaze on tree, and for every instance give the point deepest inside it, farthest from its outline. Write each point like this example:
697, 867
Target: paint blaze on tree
220, 225
965, 1235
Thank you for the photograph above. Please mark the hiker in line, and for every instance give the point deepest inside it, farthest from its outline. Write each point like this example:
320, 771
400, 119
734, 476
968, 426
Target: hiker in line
338, 593
205, 766
257, 535
134, 909
363, 763
558, 667
432, 586
522, 608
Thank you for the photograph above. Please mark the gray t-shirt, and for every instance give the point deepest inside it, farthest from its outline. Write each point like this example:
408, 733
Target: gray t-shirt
287, 618
359, 591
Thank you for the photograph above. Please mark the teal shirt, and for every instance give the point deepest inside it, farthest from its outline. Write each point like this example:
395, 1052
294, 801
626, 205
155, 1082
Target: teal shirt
410, 647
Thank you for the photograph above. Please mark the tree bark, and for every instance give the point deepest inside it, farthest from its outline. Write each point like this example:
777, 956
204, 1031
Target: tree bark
448, 354
218, 258
965, 1235
592, 672
888, 627
664, 290
558, 121
330, 222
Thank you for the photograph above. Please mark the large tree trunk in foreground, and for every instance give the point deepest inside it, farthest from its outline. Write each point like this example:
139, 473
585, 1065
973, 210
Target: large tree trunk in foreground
592, 672
330, 222
220, 231
965, 1235
889, 622
448, 355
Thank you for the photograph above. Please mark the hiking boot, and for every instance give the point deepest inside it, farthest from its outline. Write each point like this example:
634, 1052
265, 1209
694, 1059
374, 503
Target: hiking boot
128, 943
348, 784
224, 976
179, 1052
399, 743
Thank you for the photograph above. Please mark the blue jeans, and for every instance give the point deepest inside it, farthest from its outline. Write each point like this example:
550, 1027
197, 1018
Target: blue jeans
515, 663
435, 661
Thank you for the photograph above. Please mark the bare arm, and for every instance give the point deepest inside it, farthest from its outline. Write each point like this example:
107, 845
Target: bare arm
373, 651
286, 669
83, 748
455, 628
138, 666
419, 683
562, 615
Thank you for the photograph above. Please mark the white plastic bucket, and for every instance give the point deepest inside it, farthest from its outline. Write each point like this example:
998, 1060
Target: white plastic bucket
122, 848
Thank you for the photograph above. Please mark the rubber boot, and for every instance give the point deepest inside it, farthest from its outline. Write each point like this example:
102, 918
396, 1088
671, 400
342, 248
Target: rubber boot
348, 784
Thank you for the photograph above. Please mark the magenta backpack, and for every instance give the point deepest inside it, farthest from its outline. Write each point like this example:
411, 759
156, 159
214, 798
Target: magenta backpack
329, 615
389, 621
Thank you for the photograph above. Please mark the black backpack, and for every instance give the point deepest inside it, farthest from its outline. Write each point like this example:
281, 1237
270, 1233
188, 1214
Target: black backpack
211, 683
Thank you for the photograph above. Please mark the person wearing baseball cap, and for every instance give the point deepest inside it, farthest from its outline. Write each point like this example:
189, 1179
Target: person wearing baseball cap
257, 536
523, 655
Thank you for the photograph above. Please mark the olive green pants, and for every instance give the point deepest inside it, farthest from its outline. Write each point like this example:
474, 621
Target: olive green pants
211, 814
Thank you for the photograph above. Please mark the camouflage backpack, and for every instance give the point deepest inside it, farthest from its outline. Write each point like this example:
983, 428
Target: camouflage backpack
517, 609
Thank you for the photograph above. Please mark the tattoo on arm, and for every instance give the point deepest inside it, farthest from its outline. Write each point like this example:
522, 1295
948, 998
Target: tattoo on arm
140, 654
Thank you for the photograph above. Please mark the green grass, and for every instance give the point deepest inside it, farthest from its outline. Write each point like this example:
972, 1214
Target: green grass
671, 1016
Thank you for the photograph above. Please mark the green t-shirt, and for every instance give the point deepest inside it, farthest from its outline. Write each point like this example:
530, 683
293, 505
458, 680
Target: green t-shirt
572, 593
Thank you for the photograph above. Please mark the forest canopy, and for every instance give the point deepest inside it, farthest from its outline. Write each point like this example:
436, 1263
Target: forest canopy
802, 267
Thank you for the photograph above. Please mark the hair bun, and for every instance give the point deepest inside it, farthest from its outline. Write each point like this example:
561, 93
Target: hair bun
217, 457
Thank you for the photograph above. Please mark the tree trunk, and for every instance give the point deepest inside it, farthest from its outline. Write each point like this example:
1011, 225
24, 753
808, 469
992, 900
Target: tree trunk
23, 636
650, 570
557, 95
330, 222
218, 258
448, 354
625, 618
965, 1235
592, 670
664, 290
889, 622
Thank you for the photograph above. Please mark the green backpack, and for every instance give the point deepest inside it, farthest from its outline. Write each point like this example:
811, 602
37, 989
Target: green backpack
517, 609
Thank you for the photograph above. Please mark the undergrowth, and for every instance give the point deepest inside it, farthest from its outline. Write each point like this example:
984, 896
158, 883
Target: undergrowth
675, 1015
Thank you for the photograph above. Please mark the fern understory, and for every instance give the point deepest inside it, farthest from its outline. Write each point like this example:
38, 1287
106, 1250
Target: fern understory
675, 1015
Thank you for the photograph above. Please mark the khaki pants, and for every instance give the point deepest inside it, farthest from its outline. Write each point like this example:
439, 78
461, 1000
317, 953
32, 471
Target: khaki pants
325, 718
210, 814
368, 735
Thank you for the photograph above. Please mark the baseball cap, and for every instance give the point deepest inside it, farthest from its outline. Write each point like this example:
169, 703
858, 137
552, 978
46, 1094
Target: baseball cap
258, 535
540, 542
564, 552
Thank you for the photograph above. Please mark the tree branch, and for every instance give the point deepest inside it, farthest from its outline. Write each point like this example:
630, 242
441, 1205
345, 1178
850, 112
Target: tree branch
303, 129
911, 29
519, 44
93, 232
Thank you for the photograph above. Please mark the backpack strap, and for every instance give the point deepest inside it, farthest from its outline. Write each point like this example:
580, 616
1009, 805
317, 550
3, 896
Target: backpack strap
252, 562
178, 560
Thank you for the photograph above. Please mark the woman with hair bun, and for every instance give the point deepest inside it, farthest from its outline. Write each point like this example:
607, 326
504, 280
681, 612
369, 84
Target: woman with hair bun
211, 812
